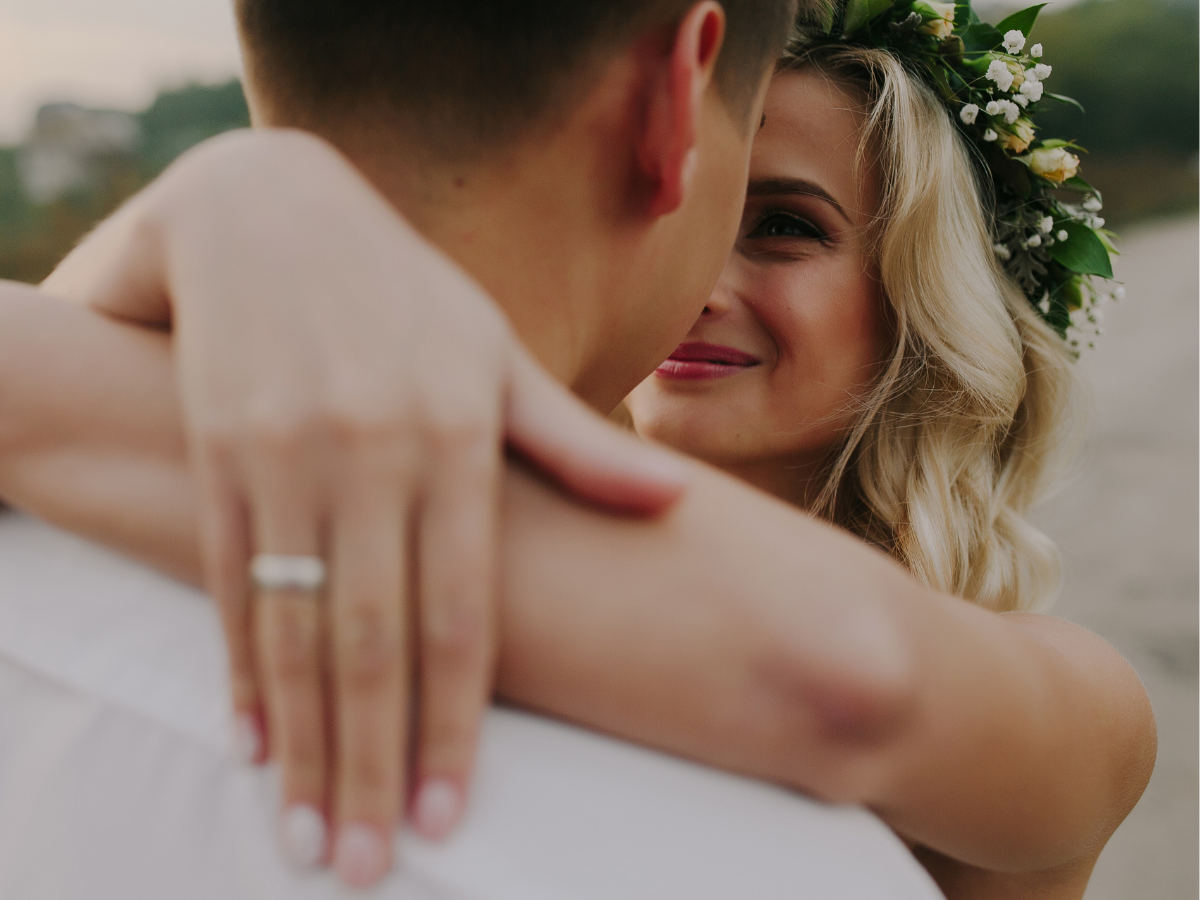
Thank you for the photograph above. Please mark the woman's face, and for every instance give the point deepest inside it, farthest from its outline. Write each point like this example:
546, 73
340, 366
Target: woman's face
770, 376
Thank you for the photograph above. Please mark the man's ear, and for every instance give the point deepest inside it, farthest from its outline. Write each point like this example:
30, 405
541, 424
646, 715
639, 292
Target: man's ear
667, 143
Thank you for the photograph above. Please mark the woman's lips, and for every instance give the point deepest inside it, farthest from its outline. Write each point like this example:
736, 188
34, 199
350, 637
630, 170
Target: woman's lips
698, 361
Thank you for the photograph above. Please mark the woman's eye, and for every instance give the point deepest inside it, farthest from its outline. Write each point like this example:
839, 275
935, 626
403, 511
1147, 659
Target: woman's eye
785, 225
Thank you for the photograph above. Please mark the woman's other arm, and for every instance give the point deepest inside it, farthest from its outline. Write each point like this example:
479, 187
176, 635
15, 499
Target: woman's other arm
735, 631
89, 429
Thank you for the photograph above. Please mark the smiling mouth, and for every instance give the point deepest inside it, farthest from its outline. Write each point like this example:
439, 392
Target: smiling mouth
700, 361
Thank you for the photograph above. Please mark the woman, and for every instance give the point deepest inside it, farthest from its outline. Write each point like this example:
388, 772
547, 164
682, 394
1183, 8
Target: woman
867, 358
878, 366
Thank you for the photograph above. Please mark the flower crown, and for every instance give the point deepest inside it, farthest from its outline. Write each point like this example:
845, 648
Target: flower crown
992, 86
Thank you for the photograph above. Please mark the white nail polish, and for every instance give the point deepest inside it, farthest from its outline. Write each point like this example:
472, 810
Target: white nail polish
360, 856
303, 834
247, 743
438, 808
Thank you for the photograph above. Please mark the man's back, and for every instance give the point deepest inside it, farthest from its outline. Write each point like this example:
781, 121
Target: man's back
117, 780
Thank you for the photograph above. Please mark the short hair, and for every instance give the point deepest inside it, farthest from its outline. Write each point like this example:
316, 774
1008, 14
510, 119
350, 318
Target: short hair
470, 73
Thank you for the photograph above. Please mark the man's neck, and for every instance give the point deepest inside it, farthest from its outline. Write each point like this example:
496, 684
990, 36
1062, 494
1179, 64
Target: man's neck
526, 230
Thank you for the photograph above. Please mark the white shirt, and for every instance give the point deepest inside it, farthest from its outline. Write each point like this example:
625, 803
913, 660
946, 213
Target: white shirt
117, 778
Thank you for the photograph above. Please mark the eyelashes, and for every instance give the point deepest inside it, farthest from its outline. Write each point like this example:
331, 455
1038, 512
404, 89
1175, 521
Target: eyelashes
778, 224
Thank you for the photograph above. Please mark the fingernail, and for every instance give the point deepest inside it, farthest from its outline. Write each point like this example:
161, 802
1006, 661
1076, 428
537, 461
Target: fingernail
361, 857
247, 738
439, 805
303, 832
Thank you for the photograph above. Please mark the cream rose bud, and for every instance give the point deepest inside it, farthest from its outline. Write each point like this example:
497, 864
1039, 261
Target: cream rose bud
939, 17
969, 114
1019, 138
1054, 164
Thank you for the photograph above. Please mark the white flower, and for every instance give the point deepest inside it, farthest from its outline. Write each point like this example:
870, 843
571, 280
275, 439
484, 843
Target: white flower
1118, 293
1012, 112
1046, 225
1002, 252
1034, 241
1021, 100
1036, 51
993, 108
938, 17
1041, 70
1062, 235
999, 72
1032, 90
990, 135
1097, 222
969, 113
1031, 75
1092, 204
1014, 41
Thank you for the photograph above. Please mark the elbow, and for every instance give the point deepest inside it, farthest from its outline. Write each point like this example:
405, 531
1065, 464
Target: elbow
845, 699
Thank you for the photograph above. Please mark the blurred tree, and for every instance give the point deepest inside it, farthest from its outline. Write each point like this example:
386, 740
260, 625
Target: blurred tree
1133, 65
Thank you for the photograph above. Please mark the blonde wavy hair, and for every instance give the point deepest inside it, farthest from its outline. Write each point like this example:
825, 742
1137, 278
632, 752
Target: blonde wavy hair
976, 404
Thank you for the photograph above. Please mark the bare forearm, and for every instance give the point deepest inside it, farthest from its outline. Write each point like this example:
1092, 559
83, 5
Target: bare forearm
89, 429
746, 635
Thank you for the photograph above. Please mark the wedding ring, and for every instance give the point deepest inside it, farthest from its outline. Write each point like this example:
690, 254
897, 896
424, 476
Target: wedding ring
279, 572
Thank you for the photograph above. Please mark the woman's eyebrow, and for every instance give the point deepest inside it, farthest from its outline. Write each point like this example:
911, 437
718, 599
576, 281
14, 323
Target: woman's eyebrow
766, 187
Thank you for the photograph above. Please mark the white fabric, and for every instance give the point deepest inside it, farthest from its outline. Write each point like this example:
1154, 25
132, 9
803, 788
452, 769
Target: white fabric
117, 782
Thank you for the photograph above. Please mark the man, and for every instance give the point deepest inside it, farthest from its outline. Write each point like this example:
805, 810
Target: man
733, 630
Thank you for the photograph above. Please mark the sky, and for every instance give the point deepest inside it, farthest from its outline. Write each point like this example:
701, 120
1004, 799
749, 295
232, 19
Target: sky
109, 53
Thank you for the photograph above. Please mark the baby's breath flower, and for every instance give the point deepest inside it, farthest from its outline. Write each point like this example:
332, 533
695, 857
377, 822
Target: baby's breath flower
990, 135
1118, 293
1041, 70
1012, 112
1014, 41
1002, 252
1032, 90
1021, 100
1035, 240
1062, 235
1096, 222
993, 108
1046, 225
999, 72
1092, 204
1036, 51
969, 113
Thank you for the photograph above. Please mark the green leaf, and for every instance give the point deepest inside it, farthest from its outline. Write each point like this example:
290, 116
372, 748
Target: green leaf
824, 17
1070, 101
1054, 143
1020, 21
981, 37
861, 12
1082, 252
1079, 184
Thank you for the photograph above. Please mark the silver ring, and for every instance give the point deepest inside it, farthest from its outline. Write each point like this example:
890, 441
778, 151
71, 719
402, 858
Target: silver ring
280, 572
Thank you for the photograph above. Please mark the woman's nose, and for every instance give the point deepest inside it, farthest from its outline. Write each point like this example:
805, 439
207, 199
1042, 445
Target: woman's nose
720, 302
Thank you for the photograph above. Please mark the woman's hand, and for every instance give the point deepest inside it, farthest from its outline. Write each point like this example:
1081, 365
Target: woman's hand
347, 393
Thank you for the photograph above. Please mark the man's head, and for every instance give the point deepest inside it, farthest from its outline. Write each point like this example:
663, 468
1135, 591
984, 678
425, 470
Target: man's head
641, 110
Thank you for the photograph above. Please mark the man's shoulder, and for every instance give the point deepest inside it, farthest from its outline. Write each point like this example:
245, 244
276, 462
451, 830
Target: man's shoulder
116, 726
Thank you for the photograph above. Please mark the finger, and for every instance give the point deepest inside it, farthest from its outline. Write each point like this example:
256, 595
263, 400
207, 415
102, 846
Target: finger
225, 539
289, 632
456, 626
370, 679
592, 458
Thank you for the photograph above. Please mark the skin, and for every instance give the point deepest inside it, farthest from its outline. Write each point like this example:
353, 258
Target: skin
799, 293
737, 630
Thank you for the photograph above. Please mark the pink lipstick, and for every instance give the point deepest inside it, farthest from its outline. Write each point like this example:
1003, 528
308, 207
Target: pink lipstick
699, 361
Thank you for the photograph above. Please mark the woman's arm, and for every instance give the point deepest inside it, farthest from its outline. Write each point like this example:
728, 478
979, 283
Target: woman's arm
736, 630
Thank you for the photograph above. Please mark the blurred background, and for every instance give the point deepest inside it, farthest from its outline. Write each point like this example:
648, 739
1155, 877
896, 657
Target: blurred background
98, 96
